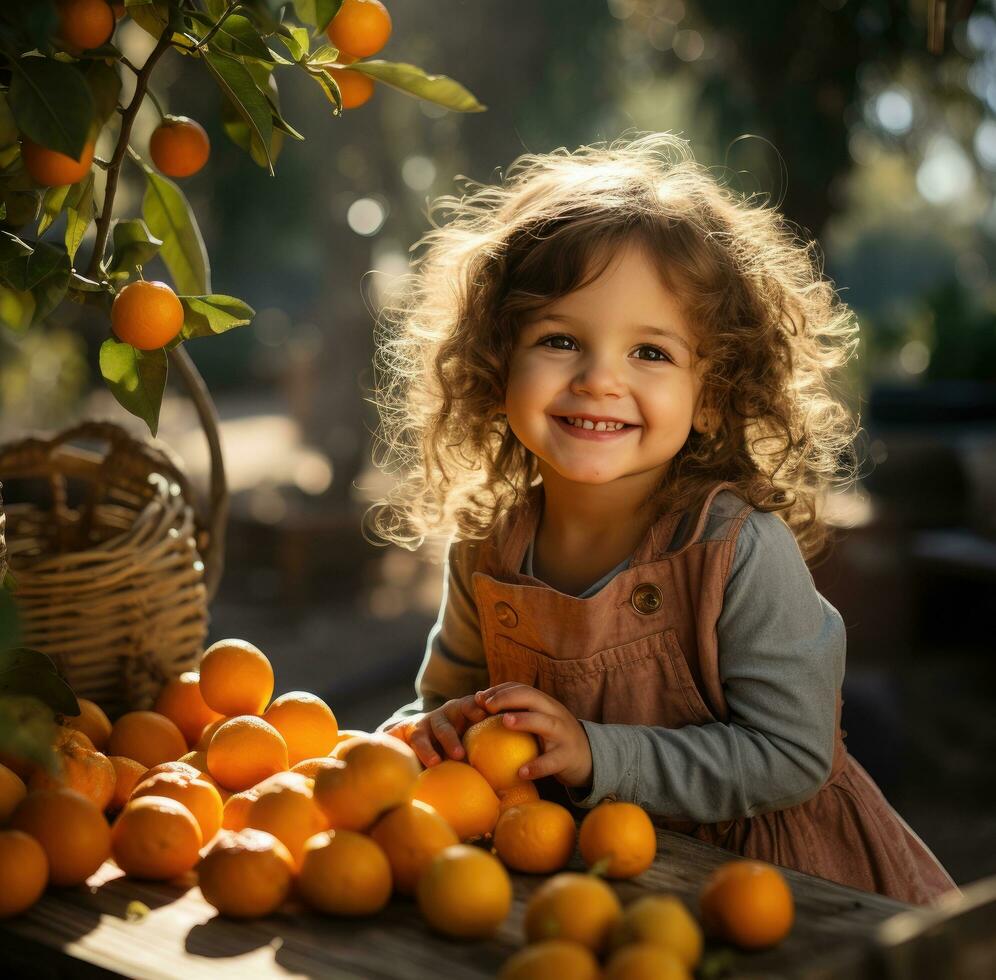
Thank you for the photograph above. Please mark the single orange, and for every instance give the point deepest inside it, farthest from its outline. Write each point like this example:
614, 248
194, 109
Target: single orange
360, 28
147, 737
246, 874
579, 907
12, 791
344, 873
551, 958
661, 919
618, 837
306, 722
156, 838
195, 793
537, 838
641, 960
179, 146
464, 892
497, 752
73, 832
92, 722
375, 774
244, 751
181, 701
23, 871
84, 24
50, 168
85, 770
236, 678
411, 835
147, 315
461, 795
128, 773
355, 88
748, 903
288, 812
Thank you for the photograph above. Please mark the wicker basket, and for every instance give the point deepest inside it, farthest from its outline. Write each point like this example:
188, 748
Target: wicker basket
114, 564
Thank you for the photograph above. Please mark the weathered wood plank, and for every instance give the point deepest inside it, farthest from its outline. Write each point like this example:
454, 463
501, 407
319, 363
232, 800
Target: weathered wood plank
182, 936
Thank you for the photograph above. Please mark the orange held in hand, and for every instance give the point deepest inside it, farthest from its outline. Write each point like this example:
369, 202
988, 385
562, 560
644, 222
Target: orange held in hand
50, 168
360, 28
147, 315
236, 678
84, 24
748, 903
619, 838
179, 146
355, 88
498, 752
247, 874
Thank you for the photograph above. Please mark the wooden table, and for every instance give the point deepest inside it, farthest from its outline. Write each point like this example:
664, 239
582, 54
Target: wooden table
86, 931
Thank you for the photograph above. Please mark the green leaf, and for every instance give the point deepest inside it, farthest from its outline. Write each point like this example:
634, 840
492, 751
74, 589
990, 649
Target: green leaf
51, 104
47, 276
31, 679
440, 89
327, 54
134, 245
153, 16
105, 87
239, 133
79, 214
27, 729
205, 316
170, 219
17, 657
297, 41
317, 13
137, 379
17, 308
52, 203
84, 285
236, 82
238, 36
328, 85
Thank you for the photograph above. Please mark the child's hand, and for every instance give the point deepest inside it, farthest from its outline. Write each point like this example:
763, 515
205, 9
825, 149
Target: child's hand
439, 731
566, 752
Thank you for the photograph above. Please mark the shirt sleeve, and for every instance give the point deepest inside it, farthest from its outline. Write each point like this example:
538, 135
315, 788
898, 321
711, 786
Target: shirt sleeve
781, 663
454, 663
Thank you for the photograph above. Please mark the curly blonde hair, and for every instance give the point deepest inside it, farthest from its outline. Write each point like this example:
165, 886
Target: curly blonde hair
772, 329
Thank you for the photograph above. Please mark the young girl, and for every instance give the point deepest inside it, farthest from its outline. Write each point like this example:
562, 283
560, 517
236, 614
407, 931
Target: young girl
611, 387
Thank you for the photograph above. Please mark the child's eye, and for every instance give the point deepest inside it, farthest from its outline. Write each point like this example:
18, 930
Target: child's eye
662, 354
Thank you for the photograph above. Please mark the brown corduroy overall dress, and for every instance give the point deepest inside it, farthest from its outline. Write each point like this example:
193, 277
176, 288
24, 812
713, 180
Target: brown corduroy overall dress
643, 651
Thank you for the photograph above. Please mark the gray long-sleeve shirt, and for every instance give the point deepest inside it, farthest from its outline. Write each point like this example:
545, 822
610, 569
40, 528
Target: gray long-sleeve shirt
781, 663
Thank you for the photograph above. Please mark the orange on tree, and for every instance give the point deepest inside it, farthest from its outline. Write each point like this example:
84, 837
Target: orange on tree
198, 795
344, 873
645, 961
748, 903
146, 315
147, 737
70, 828
355, 88
181, 701
244, 751
375, 774
236, 678
289, 812
537, 838
23, 871
579, 907
92, 722
360, 28
522, 792
83, 769
411, 835
156, 838
461, 796
551, 958
619, 837
246, 874
661, 919
50, 168
127, 775
464, 892
179, 146
84, 24
306, 722
497, 752
12, 791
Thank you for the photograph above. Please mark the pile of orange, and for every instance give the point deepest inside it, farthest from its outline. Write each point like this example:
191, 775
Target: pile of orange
263, 797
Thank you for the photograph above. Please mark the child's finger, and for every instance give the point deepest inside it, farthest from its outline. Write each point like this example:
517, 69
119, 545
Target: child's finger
547, 764
518, 697
447, 735
482, 696
537, 722
473, 712
422, 746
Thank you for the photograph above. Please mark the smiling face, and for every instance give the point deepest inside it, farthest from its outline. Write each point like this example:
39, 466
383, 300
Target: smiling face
595, 352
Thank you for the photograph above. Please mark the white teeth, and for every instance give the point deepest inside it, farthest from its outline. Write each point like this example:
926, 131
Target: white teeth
597, 426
